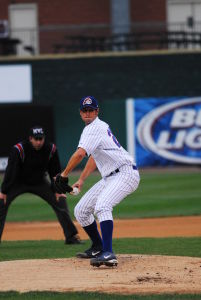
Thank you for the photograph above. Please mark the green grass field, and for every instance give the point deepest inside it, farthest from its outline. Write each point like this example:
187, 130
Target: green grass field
54, 249
91, 296
159, 194
167, 194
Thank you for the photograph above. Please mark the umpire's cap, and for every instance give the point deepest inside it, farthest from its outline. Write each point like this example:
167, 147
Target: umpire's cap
37, 132
88, 101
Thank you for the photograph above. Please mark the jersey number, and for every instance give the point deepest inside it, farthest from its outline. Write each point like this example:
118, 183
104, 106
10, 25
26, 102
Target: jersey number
113, 137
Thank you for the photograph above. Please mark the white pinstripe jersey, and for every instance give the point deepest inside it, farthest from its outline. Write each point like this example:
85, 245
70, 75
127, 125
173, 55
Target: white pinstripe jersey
97, 140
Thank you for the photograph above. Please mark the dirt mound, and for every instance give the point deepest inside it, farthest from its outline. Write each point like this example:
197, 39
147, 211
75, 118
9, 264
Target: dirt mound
135, 274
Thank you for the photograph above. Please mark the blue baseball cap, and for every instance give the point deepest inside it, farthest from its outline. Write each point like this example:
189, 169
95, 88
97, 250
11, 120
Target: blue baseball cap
88, 101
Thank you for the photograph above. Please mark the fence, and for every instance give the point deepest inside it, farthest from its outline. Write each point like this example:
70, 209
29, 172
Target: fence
90, 38
133, 41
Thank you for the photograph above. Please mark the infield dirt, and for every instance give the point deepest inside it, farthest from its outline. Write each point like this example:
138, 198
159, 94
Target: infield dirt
153, 227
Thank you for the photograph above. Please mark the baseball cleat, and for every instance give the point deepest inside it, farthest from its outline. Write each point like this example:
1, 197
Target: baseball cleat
105, 258
90, 253
75, 239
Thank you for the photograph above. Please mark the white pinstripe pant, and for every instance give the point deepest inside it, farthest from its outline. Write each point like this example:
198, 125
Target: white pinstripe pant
106, 194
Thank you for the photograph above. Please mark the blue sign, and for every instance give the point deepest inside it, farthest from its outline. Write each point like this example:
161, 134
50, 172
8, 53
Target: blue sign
167, 131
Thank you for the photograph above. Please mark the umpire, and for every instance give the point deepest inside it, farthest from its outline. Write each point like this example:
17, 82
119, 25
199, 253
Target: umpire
29, 164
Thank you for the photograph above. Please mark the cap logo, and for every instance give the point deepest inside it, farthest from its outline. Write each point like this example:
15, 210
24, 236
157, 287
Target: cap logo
37, 131
87, 101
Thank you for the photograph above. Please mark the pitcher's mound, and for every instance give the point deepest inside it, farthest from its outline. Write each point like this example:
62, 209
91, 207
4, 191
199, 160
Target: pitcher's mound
135, 274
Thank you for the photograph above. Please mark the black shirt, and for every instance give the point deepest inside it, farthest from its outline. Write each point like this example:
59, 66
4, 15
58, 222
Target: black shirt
29, 166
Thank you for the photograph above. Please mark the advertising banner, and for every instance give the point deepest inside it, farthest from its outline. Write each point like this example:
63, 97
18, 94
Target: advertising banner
165, 131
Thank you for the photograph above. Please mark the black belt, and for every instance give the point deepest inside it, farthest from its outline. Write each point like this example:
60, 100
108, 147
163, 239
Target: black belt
117, 171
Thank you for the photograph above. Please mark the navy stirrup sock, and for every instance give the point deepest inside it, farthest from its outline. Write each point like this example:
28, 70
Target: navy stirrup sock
93, 233
106, 230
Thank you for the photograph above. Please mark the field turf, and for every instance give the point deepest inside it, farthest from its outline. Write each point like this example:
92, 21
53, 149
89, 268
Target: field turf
91, 296
56, 249
166, 194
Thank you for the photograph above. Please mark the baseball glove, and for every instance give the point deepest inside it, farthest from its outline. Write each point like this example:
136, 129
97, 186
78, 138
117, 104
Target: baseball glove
61, 185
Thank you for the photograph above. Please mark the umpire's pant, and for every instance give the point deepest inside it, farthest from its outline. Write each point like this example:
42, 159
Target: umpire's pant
44, 191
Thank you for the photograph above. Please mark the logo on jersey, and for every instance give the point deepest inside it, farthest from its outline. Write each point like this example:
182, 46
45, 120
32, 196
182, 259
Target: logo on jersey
87, 101
173, 131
